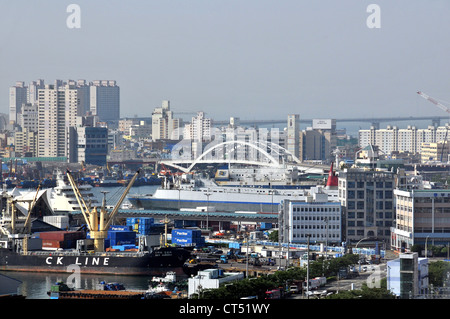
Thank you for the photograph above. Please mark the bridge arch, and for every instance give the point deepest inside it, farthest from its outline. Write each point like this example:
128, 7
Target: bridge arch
272, 160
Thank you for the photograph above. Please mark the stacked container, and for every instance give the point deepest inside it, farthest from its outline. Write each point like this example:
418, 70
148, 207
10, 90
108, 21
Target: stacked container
187, 237
121, 237
60, 221
60, 239
234, 245
141, 225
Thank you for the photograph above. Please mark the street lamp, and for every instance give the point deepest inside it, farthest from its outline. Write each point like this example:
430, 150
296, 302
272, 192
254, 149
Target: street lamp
307, 265
326, 240
426, 247
207, 208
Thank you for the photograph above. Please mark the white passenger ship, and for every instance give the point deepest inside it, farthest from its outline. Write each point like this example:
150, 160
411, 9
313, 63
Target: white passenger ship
200, 192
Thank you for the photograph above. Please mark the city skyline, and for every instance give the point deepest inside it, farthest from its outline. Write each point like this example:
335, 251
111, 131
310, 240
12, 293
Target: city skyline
250, 59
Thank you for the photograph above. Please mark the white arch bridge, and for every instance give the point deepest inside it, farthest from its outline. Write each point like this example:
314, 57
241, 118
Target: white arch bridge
239, 152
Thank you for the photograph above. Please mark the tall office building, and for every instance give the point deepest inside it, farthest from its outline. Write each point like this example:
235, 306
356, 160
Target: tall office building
368, 201
293, 134
58, 108
18, 95
105, 100
164, 125
318, 142
83, 94
88, 144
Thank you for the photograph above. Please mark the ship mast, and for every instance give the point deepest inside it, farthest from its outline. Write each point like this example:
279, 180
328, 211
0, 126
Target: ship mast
99, 222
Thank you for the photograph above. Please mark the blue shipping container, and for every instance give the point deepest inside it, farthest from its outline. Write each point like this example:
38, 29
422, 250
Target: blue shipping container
187, 232
119, 228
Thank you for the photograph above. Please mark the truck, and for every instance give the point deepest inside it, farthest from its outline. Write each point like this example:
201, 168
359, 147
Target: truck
273, 294
296, 287
315, 283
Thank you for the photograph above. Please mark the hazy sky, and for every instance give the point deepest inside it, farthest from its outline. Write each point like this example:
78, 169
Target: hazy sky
256, 59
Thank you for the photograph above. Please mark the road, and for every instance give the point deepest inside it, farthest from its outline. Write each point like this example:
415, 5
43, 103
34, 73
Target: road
371, 277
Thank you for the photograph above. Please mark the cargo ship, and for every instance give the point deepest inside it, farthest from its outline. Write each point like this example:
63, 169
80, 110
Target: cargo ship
101, 248
42, 255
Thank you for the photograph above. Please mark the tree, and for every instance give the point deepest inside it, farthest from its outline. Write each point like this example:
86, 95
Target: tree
273, 236
366, 293
437, 272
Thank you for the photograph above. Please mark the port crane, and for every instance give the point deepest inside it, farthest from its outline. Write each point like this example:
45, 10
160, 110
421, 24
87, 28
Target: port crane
442, 107
98, 222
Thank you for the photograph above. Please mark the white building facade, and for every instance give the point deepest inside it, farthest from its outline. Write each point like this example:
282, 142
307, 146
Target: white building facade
316, 218
392, 139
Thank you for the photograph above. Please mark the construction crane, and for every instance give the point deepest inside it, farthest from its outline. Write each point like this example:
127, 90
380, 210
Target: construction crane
98, 222
438, 104
441, 106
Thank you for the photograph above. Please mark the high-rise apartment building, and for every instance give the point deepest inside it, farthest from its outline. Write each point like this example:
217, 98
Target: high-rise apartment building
105, 100
58, 108
164, 125
393, 139
199, 129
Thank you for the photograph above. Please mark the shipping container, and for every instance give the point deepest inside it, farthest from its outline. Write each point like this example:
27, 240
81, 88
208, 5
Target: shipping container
56, 244
193, 233
62, 235
60, 221
187, 241
121, 238
265, 226
119, 228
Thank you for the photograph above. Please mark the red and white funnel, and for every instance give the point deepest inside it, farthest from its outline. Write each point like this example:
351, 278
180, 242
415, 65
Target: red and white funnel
332, 182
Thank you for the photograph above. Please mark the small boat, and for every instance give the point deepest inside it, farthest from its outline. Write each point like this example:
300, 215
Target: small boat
103, 291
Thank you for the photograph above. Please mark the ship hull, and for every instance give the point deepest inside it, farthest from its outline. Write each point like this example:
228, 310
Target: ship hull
222, 198
151, 203
156, 263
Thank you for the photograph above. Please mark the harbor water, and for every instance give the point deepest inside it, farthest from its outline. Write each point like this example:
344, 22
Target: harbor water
36, 285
